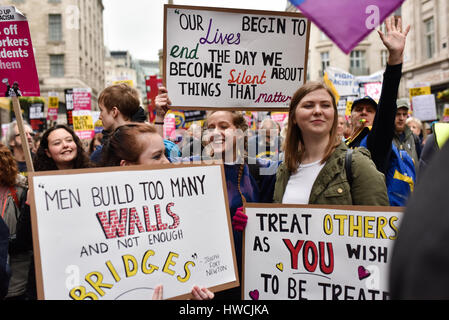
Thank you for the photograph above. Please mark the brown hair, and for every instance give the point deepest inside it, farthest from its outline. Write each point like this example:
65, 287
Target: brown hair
294, 145
239, 121
9, 171
42, 162
124, 144
121, 96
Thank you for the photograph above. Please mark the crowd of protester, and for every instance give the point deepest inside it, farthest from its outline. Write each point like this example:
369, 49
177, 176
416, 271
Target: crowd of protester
314, 156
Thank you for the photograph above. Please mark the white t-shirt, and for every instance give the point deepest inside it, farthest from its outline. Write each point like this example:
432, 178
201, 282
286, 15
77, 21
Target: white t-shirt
300, 184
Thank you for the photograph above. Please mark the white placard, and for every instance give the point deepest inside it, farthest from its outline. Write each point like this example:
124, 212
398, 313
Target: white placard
230, 58
424, 107
344, 82
318, 253
116, 234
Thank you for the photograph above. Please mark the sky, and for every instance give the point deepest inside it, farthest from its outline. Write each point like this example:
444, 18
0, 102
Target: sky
137, 25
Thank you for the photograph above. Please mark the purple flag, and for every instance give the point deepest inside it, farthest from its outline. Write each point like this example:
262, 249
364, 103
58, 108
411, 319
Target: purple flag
347, 22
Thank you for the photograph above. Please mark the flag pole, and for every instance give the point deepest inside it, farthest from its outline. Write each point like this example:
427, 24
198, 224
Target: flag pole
20, 126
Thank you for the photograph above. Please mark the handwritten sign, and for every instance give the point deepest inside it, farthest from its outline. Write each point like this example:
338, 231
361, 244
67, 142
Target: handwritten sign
17, 65
231, 58
318, 253
424, 107
116, 234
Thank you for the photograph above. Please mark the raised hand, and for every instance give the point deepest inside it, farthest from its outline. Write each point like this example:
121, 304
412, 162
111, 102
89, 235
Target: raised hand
394, 39
162, 103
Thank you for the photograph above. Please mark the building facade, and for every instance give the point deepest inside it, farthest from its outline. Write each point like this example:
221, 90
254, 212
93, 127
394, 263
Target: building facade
427, 50
67, 37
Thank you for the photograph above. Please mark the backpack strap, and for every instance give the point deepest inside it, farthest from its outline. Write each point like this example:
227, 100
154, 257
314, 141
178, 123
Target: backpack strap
348, 165
14, 195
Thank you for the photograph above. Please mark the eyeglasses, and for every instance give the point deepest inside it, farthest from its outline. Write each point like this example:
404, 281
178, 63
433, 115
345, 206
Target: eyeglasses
30, 133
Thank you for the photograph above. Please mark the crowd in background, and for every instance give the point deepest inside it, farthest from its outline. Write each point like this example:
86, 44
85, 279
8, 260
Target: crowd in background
314, 156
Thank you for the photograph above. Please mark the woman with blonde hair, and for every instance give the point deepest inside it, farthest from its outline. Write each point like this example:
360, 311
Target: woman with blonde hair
314, 171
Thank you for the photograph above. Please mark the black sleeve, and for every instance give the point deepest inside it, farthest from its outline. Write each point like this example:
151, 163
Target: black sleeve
427, 153
5, 273
24, 238
380, 138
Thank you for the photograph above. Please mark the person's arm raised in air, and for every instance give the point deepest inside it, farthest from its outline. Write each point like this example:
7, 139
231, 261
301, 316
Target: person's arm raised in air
380, 138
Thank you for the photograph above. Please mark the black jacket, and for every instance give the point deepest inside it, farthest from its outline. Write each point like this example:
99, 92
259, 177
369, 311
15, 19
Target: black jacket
381, 134
420, 257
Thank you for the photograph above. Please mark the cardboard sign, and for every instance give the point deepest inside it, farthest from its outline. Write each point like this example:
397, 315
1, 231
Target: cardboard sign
424, 107
234, 59
112, 233
17, 64
318, 252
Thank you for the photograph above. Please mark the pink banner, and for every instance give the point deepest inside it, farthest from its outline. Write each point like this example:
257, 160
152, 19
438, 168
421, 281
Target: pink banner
82, 99
17, 65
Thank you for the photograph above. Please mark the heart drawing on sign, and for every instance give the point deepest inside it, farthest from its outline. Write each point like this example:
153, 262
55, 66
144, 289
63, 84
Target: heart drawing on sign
363, 273
280, 266
254, 294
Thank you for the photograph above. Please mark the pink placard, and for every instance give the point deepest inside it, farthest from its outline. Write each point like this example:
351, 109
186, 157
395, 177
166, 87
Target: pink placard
82, 99
17, 65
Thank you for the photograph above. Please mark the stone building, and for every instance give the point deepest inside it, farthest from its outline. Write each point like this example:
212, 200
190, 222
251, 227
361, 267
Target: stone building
67, 37
427, 50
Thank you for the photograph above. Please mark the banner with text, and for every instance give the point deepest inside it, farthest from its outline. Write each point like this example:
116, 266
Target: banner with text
82, 99
83, 124
116, 234
231, 58
318, 253
18, 67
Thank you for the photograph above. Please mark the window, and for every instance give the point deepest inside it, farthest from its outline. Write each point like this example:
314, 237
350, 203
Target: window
357, 59
324, 60
57, 65
383, 58
357, 63
55, 27
429, 34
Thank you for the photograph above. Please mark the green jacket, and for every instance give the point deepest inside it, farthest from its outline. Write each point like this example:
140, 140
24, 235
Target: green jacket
331, 186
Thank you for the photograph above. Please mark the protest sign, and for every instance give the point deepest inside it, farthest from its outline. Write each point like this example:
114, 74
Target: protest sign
344, 82
37, 120
17, 65
220, 58
83, 124
111, 233
424, 107
373, 90
53, 106
446, 113
82, 99
68, 93
318, 252
419, 91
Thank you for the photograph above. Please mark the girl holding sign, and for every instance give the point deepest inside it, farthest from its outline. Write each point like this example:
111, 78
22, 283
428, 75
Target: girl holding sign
314, 170
247, 180
140, 144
